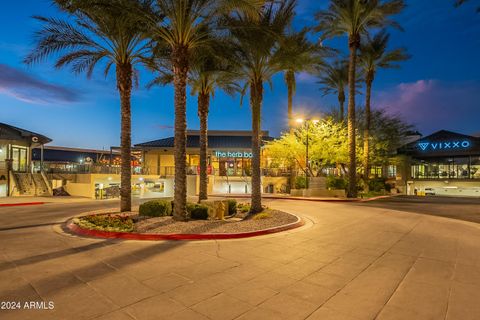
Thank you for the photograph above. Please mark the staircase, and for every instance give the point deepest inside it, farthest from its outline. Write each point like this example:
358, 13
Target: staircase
40, 185
30, 184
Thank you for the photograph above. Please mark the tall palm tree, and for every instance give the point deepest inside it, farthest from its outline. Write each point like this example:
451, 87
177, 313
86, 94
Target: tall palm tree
255, 44
297, 54
210, 72
334, 80
184, 26
373, 56
96, 33
354, 18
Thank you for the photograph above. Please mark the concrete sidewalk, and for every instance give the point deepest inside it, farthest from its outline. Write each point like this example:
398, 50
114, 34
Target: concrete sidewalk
348, 263
25, 200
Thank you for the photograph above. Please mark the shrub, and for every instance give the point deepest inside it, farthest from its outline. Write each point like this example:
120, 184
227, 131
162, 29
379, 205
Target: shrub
300, 182
232, 206
244, 207
377, 185
336, 183
156, 208
197, 211
262, 215
117, 223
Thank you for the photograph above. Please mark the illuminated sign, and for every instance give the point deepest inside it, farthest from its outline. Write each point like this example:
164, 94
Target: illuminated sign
232, 154
447, 145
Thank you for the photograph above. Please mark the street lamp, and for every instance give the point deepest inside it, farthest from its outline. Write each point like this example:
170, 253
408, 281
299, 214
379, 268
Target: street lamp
307, 161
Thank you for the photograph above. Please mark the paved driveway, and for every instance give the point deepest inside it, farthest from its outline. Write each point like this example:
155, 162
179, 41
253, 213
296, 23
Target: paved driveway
467, 209
348, 262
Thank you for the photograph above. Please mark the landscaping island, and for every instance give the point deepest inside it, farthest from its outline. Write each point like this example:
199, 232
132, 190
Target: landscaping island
208, 220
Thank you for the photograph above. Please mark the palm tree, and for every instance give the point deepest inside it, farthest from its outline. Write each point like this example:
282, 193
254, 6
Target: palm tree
209, 72
354, 18
334, 80
185, 26
297, 54
96, 33
374, 55
255, 44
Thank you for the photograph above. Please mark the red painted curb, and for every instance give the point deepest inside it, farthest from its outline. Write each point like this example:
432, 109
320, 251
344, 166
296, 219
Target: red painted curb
20, 204
178, 236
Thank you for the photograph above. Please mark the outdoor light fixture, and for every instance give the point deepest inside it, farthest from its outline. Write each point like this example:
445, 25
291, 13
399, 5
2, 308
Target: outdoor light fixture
300, 120
109, 178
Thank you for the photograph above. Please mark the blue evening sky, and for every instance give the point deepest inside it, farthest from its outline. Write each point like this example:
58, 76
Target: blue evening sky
439, 88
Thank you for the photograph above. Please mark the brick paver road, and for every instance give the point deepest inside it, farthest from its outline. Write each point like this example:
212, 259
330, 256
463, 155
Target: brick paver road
348, 262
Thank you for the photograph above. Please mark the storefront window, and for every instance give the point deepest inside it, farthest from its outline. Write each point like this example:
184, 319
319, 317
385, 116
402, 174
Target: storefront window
475, 168
447, 168
231, 166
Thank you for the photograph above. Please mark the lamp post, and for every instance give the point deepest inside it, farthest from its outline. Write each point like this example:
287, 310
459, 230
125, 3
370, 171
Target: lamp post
307, 161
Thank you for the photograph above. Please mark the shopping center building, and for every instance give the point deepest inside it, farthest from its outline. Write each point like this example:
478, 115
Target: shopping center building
16, 147
443, 163
229, 157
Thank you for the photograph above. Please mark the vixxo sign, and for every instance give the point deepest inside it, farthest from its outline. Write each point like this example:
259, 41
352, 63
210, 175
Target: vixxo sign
445, 145
233, 154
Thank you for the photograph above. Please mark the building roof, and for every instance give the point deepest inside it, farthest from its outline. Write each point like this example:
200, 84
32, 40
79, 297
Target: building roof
443, 143
228, 140
70, 155
8, 132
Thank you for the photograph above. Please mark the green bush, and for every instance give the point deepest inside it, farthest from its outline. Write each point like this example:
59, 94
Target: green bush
197, 211
156, 208
377, 185
300, 182
244, 207
336, 183
232, 206
262, 215
107, 222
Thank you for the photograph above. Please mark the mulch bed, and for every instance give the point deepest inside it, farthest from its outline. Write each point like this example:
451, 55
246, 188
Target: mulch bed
236, 224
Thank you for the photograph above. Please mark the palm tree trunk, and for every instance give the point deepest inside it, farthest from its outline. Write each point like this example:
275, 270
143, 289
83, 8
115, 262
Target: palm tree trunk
180, 72
124, 85
289, 80
341, 101
354, 42
366, 140
256, 97
203, 106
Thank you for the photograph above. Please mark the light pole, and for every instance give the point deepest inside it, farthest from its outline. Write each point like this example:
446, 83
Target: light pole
307, 161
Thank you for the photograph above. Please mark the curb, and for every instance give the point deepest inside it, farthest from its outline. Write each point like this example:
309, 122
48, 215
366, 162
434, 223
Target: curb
178, 236
310, 199
21, 204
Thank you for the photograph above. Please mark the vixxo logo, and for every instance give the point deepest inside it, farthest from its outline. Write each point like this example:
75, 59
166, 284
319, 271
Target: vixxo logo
424, 146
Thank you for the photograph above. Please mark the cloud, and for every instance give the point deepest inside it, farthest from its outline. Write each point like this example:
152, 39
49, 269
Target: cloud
433, 105
24, 87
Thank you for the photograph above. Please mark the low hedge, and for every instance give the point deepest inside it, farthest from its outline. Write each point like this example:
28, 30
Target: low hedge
197, 211
156, 208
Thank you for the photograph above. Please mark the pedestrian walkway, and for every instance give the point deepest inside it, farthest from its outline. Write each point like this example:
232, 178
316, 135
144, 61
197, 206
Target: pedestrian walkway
349, 262
40, 200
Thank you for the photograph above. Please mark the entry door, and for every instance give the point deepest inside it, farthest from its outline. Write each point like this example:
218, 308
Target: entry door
19, 157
